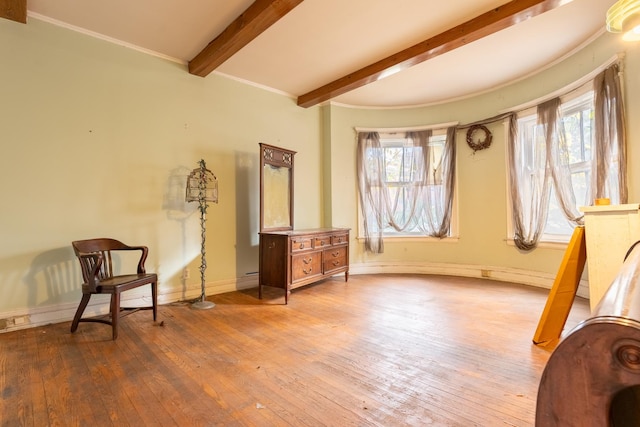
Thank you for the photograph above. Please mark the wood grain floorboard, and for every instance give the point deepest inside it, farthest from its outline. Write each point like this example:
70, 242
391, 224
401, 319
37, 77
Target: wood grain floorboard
379, 350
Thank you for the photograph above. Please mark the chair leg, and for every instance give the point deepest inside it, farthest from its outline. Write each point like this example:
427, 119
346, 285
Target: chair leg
154, 299
79, 311
115, 313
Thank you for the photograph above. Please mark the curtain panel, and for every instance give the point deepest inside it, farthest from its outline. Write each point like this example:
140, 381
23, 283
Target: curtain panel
423, 201
609, 170
531, 184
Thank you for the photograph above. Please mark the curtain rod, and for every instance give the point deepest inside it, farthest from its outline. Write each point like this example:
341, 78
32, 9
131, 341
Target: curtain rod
407, 129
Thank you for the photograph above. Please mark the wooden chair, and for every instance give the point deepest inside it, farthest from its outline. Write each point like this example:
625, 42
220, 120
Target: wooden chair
95, 256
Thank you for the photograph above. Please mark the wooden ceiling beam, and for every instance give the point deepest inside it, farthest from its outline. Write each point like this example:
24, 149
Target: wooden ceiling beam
246, 27
15, 10
481, 26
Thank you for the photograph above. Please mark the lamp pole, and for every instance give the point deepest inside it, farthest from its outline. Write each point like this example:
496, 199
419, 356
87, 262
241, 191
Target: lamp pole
202, 177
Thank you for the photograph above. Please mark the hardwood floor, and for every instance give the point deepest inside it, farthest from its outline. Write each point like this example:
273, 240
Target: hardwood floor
380, 350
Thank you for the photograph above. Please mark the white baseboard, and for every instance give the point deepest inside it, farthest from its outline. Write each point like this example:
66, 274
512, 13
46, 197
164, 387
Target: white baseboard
502, 274
99, 305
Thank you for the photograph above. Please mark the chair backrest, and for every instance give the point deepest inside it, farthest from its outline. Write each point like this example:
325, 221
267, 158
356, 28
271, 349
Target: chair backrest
103, 247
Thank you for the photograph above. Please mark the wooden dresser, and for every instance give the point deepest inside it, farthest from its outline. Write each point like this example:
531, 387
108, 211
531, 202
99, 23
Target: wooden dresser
293, 258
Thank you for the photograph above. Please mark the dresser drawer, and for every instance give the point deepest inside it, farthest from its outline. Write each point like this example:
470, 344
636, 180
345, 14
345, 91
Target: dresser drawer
322, 241
334, 258
290, 259
306, 265
302, 243
340, 239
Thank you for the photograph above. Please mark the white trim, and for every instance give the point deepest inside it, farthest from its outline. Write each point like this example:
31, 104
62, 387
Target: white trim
99, 304
90, 33
99, 36
58, 313
509, 205
502, 274
455, 215
94, 34
537, 71
407, 129
560, 245
256, 85
568, 88
415, 239
569, 94
631, 207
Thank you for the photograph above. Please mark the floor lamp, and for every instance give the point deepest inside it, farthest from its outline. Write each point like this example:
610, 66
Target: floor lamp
202, 187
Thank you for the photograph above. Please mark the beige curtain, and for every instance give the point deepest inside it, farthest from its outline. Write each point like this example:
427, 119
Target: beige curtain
609, 170
424, 204
531, 187
370, 163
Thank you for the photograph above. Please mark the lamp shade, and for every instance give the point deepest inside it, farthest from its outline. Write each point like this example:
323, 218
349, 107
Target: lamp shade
624, 17
202, 185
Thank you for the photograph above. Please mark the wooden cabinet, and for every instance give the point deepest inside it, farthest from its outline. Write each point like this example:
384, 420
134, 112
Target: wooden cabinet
290, 259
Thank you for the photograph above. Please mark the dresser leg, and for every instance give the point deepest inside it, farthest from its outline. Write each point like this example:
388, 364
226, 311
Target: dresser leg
346, 276
259, 290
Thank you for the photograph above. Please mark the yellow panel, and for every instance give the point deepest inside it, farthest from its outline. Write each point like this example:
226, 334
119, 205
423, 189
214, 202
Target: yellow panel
563, 291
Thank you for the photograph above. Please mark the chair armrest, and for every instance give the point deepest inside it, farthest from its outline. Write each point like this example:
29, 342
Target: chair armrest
143, 256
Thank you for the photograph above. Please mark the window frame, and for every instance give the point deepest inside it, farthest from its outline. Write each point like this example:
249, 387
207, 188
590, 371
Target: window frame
568, 103
391, 134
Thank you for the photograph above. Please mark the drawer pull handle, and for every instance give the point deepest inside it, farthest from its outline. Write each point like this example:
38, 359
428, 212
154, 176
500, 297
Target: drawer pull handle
307, 271
302, 245
336, 254
321, 242
307, 261
271, 245
336, 263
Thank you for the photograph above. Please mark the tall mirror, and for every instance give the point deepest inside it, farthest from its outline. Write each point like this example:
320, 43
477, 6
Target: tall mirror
276, 188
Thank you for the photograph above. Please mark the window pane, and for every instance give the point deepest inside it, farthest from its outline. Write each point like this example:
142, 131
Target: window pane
577, 123
577, 127
404, 177
393, 163
573, 136
557, 223
580, 182
587, 126
436, 150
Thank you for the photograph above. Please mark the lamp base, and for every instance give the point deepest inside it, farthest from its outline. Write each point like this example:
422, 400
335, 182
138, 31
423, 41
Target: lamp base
202, 305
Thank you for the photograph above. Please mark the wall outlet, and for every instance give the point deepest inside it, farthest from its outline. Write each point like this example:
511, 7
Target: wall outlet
11, 322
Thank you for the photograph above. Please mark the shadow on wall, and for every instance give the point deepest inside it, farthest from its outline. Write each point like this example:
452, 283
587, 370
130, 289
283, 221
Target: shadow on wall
180, 211
247, 211
53, 278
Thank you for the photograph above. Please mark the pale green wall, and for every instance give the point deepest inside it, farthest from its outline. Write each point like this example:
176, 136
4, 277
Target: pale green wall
482, 197
97, 140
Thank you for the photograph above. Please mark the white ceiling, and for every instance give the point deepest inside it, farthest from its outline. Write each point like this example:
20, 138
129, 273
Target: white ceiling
322, 40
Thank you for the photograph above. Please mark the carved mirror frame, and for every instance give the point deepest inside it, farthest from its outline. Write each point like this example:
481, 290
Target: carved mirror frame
276, 188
